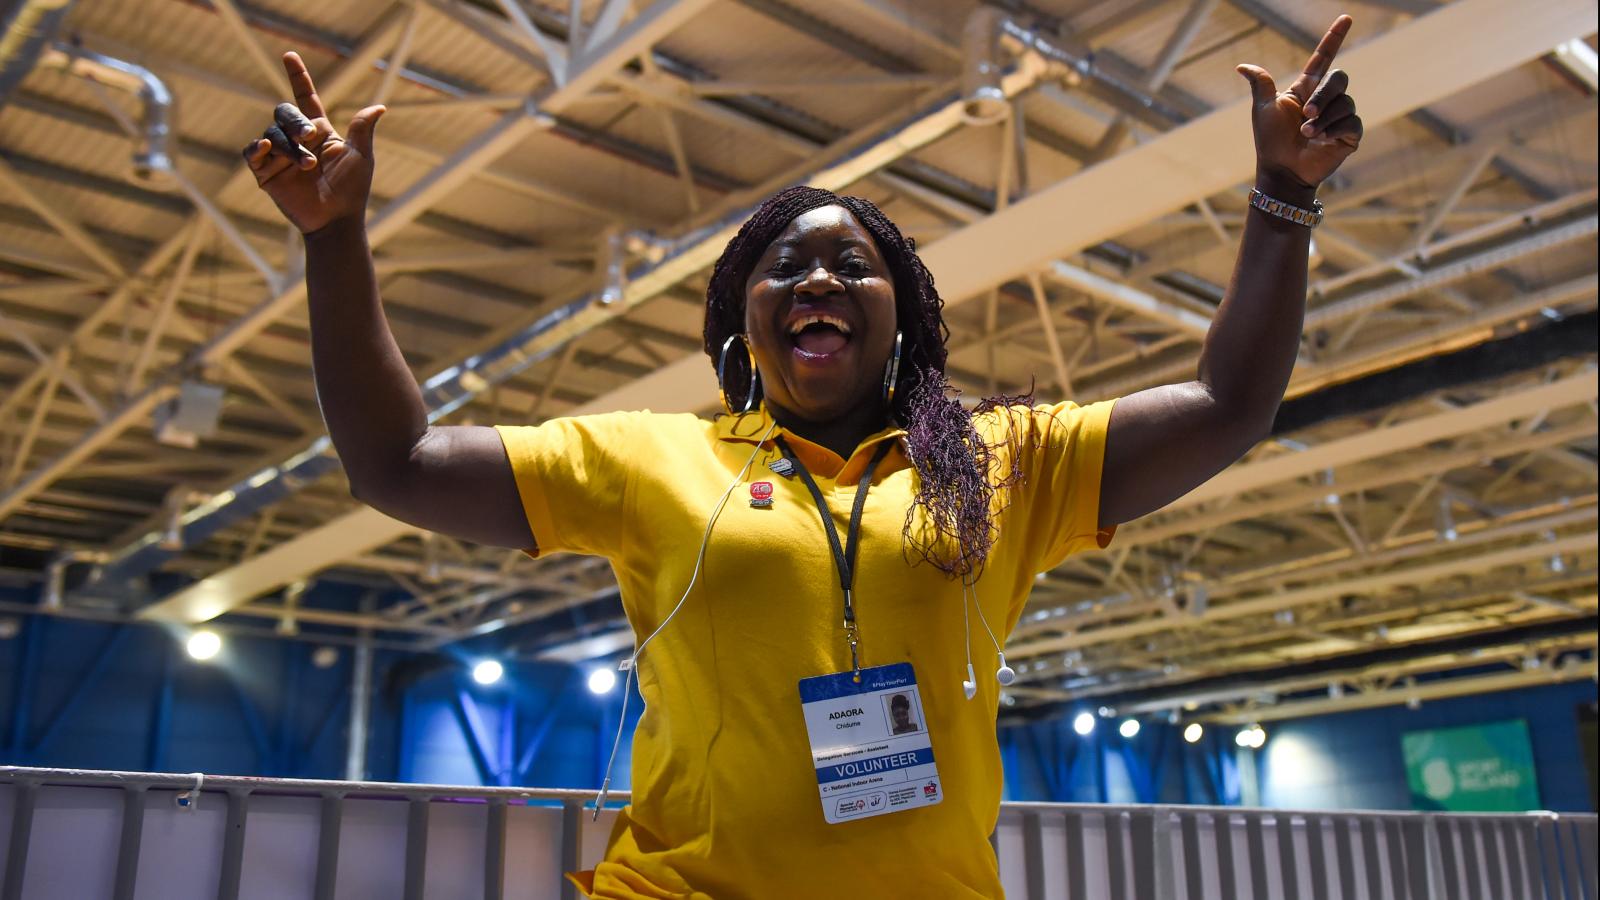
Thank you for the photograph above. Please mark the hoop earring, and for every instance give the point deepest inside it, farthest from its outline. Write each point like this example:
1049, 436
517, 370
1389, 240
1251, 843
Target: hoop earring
722, 367
892, 372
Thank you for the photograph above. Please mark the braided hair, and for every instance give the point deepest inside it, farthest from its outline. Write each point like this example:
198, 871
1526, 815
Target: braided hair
959, 478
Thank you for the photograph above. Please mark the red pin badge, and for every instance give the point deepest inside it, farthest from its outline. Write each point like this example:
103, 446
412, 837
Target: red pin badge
761, 494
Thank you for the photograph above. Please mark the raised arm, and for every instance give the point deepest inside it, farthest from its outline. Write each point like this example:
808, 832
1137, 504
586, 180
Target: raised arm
454, 480
1166, 441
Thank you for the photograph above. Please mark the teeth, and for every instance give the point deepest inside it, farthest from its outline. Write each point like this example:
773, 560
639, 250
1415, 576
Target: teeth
800, 323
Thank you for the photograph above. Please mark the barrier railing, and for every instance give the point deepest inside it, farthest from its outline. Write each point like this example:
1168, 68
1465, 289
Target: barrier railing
127, 835
1054, 850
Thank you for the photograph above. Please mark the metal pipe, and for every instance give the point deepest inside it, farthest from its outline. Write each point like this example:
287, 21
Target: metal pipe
55, 574
178, 781
152, 165
355, 756
984, 101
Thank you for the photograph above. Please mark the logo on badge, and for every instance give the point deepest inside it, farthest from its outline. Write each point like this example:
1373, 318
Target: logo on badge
930, 790
761, 494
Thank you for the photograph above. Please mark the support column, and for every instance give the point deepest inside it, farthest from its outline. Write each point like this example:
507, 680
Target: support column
355, 757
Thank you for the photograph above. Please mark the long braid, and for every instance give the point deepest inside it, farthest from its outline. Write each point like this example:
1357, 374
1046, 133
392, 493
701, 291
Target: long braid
958, 470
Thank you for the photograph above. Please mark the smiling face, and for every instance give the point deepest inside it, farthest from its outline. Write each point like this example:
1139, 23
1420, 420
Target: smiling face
820, 315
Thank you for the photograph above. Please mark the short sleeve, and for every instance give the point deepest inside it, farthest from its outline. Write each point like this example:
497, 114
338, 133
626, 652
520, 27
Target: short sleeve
1056, 505
573, 476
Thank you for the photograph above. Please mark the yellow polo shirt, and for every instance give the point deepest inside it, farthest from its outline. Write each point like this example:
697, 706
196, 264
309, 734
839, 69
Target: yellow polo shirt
725, 802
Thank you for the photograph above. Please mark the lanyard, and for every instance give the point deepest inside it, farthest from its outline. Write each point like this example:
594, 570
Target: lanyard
844, 557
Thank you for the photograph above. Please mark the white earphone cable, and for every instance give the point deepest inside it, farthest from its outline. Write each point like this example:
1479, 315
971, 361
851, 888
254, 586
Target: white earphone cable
984, 619
970, 686
633, 661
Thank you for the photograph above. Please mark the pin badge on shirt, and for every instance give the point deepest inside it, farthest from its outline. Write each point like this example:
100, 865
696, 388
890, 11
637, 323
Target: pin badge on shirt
761, 495
782, 466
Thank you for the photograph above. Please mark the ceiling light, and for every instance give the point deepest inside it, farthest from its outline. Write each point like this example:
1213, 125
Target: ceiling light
601, 681
1253, 737
1194, 732
204, 645
1083, 723
1129, 728
488, 672
325, 657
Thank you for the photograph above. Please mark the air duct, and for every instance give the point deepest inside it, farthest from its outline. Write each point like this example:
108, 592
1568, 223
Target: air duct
152, 166
983, 99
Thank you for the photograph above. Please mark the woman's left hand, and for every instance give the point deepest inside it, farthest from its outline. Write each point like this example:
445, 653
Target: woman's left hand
1304, 133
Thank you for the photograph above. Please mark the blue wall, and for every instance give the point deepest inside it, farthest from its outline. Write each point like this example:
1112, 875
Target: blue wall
81, 694
1346, 761
1353, 760
1047, 761
540, 726
77, 693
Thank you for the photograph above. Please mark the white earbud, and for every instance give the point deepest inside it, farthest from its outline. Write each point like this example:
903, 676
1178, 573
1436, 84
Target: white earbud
1005, 674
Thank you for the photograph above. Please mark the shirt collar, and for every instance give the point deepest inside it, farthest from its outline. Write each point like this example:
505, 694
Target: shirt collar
747, 428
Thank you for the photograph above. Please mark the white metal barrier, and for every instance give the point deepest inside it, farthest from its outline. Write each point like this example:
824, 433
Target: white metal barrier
1055, 851
67, 834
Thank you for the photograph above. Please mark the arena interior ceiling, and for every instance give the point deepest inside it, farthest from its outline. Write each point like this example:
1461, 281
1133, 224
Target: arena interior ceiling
555, 179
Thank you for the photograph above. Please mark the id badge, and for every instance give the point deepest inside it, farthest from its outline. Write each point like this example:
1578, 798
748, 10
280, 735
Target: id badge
869, 743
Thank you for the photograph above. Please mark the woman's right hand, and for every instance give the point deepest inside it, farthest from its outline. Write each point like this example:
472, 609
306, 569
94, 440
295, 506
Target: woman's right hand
314, 176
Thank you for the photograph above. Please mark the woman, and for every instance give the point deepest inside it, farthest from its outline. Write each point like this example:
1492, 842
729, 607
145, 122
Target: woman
780, 641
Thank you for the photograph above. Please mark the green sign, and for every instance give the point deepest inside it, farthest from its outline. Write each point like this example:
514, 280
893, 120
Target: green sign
1476, 768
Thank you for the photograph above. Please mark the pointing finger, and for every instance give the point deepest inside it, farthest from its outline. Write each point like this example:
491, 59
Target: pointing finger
1321, 59
305, 91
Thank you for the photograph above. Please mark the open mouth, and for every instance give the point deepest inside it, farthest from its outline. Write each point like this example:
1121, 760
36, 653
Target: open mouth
819, 334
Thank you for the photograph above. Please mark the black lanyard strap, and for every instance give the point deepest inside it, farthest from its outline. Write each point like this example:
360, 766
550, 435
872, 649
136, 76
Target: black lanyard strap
844, 556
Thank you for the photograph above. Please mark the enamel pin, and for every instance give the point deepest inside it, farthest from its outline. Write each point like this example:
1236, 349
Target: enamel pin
782, 466
761, 494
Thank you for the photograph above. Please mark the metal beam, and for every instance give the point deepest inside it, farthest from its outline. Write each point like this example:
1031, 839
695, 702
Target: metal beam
1428, 469
68, 227
1167, 172
1421, 62
1189, 25
1273, 601
652, 25
1402, 693
272, 76
164, 309
1130, 298
47, 362
1052, 340
1372, 443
